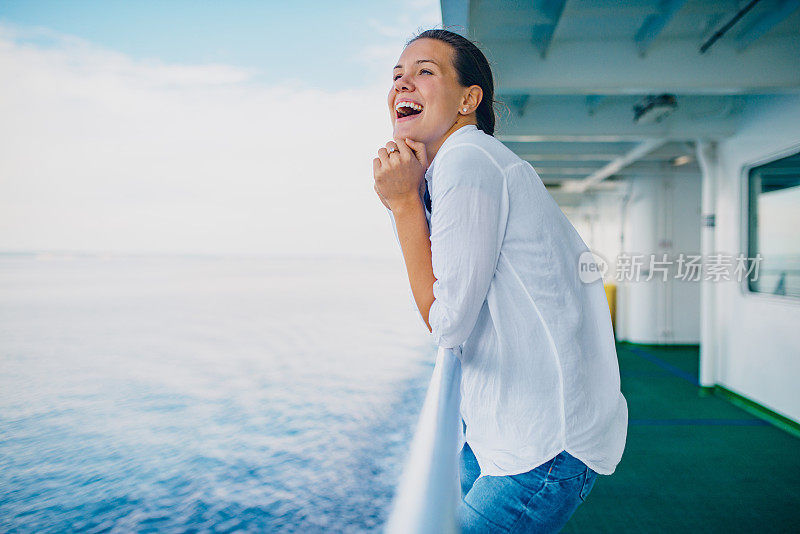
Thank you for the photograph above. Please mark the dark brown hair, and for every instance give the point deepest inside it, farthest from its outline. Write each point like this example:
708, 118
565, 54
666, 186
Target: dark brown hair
472, 69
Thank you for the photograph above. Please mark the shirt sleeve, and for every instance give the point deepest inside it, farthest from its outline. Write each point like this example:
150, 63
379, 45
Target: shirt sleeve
470, 211
394, 226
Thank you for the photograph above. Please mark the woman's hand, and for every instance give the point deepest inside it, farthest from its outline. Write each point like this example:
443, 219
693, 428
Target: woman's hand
383, 200
399, 174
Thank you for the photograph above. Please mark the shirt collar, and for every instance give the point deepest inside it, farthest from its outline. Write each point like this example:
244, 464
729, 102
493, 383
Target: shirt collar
461, 131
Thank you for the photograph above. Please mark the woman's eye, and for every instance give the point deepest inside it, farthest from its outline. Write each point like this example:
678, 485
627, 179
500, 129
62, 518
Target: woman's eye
423, 71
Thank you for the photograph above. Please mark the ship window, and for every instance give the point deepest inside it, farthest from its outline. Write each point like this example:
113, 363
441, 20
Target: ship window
774, 227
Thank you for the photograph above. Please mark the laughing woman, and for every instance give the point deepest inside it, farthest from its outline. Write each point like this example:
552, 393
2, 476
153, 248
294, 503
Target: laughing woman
493, 267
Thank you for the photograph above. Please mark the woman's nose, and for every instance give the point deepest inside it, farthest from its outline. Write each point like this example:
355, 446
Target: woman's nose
402, 83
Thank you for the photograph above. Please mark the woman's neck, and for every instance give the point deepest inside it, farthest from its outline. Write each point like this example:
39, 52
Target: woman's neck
432, 148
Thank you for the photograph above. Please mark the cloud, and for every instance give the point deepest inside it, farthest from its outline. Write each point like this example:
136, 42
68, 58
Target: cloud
101, 152
411, 18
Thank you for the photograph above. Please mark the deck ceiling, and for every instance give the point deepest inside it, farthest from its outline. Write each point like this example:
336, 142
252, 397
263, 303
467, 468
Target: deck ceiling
570, 72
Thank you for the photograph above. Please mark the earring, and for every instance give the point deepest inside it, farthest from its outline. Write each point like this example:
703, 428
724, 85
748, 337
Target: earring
465, 110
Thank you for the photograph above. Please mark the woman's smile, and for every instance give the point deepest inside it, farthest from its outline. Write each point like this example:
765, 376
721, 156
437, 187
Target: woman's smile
407, 109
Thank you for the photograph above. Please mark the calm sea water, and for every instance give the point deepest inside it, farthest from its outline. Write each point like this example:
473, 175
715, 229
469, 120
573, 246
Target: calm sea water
205, 394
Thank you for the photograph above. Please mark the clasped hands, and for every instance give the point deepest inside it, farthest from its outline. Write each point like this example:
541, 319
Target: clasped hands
399, 172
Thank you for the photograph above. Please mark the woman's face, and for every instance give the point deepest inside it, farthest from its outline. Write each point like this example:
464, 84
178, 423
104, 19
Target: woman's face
425, 77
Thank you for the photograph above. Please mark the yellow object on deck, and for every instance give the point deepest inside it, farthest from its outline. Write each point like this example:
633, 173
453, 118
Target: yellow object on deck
611, 295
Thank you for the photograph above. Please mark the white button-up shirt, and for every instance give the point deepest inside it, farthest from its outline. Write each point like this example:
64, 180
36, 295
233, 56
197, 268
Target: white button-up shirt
538, 361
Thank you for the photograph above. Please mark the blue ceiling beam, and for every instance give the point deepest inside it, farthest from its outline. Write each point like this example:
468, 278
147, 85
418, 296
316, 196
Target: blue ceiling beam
593, 102
542, 35
516, 102
455, 16
765, 22
655, 23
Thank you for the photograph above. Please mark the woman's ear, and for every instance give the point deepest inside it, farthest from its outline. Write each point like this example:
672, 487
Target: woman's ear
473, 98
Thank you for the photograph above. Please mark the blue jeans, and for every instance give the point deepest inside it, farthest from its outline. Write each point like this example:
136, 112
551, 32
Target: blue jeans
541, 500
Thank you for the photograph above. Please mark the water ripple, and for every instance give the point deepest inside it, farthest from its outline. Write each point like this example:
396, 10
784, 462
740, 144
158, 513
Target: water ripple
205, 395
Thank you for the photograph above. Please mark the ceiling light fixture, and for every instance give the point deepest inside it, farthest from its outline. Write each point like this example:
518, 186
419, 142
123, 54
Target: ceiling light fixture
654, 108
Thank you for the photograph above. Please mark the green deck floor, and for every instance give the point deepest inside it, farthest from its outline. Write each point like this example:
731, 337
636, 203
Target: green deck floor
692, 462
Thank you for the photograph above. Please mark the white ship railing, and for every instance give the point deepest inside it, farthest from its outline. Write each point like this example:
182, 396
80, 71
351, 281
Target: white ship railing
429, 491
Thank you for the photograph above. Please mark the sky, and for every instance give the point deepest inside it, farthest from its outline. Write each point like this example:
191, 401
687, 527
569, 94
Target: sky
235, 127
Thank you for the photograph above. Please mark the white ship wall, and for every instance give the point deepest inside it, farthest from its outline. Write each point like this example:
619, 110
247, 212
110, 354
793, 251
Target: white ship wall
661, 215
758, 348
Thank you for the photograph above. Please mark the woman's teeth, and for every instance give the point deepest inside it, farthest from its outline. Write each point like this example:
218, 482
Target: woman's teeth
405, 108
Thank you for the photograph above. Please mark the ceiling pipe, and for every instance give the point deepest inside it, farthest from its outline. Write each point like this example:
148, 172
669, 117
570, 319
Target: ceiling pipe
728, 25
615, 166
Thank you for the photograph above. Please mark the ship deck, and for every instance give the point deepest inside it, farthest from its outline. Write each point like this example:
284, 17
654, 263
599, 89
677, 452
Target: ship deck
693, 461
